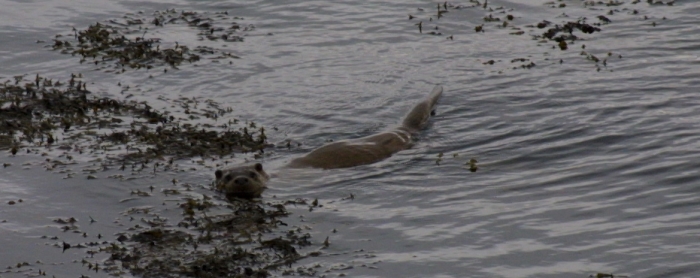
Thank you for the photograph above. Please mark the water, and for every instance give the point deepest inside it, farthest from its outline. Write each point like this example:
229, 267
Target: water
580, 170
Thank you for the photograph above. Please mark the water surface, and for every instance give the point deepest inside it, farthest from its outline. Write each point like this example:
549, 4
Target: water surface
584, 166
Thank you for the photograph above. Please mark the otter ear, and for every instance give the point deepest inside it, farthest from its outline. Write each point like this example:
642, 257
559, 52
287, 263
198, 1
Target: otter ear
258, 167
218, 174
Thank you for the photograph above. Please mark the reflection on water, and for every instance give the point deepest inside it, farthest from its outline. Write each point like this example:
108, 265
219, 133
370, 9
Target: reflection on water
584, 166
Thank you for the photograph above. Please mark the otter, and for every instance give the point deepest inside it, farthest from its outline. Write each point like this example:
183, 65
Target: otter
246, 181
249, 181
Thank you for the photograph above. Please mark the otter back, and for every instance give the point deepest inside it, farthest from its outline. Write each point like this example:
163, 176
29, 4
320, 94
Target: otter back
373, 148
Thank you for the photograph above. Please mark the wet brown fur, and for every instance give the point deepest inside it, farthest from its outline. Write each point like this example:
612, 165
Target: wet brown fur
373, 148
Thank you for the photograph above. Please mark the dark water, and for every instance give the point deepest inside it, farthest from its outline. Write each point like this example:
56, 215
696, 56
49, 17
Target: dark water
584, 167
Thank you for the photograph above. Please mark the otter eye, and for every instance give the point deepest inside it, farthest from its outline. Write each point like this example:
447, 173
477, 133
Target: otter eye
253, 175
228, 178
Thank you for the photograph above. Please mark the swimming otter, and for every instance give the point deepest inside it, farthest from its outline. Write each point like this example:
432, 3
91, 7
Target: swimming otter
246, 181
249, 181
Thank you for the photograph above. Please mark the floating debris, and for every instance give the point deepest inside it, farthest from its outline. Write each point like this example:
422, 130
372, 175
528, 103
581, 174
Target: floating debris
124, 42
569, 28
472, 165
564, 34
244, 242
33, 113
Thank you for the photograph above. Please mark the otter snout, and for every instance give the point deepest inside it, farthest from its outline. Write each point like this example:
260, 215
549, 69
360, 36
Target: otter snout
241, 181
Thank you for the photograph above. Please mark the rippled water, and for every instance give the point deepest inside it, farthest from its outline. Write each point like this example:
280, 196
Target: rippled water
584, 167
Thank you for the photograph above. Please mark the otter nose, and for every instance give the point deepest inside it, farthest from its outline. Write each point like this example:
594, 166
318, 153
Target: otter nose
241, 181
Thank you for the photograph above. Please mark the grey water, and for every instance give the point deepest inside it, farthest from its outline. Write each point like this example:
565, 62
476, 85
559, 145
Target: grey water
584, 167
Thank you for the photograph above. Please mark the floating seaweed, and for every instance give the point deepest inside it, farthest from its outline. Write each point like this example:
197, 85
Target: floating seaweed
124, 42
34, 113
246, 242
569, 28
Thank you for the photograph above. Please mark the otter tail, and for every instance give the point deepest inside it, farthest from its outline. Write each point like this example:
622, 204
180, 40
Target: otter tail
417, 118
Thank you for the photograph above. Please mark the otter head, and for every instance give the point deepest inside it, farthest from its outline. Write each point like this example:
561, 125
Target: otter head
242, 182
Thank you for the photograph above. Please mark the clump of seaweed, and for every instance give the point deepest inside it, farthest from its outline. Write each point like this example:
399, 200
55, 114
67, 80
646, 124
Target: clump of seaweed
35, 114
125, 43
103, 43
568, 28
244, 242
213, 27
